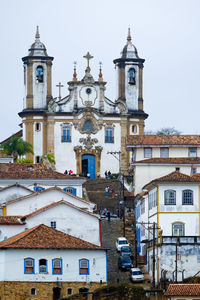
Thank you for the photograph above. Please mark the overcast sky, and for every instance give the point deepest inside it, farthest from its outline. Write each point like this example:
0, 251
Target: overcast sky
165, 32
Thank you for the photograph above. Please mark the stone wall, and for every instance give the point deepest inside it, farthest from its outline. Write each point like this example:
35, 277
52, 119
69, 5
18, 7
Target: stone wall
44, 290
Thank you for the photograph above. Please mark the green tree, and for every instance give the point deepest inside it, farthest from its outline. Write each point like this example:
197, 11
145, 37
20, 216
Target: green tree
168, 131
16, 146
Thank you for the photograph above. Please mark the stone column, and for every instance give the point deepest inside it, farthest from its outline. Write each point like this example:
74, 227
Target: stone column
124, 154
50, 134
140, 98
29, 133
29, 96
49, 87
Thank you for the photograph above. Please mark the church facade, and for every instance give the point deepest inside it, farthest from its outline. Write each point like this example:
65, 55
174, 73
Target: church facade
82, 128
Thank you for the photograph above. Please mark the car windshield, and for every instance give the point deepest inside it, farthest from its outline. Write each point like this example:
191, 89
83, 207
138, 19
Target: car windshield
126, 260
136, 273
123, 242
125, 249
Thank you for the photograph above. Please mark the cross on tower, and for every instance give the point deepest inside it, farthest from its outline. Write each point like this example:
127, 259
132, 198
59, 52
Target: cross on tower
88, 57
59, 87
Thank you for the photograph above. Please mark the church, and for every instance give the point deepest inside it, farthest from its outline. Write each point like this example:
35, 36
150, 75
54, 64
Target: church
85, 131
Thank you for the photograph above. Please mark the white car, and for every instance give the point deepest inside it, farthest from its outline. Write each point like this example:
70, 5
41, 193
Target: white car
136, 275
121, 241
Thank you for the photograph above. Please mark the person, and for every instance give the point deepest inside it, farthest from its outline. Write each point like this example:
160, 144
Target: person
113, 192
98, 175
106, 191
88, 175
108, 215
109, 174
66, 172
70, 172
106, 174
118, 212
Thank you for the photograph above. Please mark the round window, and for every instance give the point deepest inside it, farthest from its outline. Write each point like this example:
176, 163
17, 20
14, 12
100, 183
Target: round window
88, 91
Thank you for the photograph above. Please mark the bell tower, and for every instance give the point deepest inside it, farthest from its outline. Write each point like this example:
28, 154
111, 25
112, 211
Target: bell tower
130, 76
37, 76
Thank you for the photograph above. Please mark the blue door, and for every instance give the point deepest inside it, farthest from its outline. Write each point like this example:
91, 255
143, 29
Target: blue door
88, 165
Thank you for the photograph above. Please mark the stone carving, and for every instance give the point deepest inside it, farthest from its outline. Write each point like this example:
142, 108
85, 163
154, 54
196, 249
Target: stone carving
96, 125
52, 105
122, 106
88, 142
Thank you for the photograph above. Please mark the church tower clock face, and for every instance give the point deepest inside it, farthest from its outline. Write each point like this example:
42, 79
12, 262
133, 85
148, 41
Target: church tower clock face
88, 95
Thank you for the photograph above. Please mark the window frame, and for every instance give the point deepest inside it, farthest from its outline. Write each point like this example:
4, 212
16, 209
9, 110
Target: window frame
70, 190
66, 138
131, 69
194, 153
42, 76
88, 266
61, 266
109, 138
53, 224
187, 190
46, 272
145, 154
33, 263
165, 200
178, 223
161, 152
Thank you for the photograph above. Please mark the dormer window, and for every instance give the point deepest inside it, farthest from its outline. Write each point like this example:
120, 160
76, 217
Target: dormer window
39, 74
131, 76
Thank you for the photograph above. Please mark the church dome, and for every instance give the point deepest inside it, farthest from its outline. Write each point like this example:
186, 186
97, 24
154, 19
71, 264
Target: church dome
37, 48
129, 50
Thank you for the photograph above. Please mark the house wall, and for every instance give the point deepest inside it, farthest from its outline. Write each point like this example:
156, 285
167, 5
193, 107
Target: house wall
13, 193
31, 204
13, 259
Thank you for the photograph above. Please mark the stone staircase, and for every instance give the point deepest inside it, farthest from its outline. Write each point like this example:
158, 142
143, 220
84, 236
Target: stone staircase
96, 193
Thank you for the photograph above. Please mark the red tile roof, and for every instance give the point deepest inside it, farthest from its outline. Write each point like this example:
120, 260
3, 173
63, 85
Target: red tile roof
174, 177
44, 191
183, 290
169, 160
55, 204
30, 171
153, 139
11, 220
44, 237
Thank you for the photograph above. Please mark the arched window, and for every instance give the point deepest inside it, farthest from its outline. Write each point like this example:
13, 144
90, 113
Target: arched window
39, 74
29, 266
57, 266
43, 266
84, 267
66, 134
88, 126
187, 198
70, 190
134, 128
178, 229
131, 76
170, 197
109, 138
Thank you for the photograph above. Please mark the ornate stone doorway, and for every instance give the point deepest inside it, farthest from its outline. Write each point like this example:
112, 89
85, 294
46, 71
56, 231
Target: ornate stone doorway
88, 165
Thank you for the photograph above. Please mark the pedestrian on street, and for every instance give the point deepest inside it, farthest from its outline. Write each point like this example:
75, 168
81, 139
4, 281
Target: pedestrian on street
106, 174
108, 215
106, 191
109, 174
66, 172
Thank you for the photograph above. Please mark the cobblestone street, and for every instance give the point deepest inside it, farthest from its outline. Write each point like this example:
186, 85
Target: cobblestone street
110, 232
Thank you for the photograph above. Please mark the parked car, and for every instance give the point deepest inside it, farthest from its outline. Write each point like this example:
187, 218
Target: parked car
136, 275
121, 241
126, 250
125, 262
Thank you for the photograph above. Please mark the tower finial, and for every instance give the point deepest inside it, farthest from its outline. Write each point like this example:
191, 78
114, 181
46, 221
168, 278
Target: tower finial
100, 72
129, 35
75, 74
37, 35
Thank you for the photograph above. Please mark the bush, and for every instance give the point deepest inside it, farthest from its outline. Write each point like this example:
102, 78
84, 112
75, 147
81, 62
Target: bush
24, 161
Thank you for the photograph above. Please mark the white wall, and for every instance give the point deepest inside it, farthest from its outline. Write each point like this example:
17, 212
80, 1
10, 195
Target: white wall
13, 193
13, 259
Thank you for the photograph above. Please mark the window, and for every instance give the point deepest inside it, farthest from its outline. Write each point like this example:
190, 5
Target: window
88, 126
70, 190
177, 169
84, 267
178, 229
37, 158
164, 152
134, 128
42, 266
33, 291
187, 197
192, 152
53, 224
39, 74
147, 152
131, 76
109, 138
194, 171
57, 266
66, 135
38, 188
37, 126
29, 266
69, 291
170, 197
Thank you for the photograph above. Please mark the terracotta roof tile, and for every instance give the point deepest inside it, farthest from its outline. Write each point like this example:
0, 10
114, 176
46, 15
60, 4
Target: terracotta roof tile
44, 191
11, 220
169, 160
183, 290
174, 177
42, 236
153, 139
55, 204
30, 171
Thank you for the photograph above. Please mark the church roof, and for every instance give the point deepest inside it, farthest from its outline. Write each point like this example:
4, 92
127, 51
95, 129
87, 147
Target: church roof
161, 140
37, 48
44, 237
129, 50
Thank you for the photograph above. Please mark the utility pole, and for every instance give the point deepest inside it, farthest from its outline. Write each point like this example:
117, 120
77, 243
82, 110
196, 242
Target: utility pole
135, 245
154, 258
124, 231
176, 262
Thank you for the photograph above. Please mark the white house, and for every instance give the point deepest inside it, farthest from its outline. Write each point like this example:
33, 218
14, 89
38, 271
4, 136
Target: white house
153, 156
14, 191
61, 215
44, 255
173, 206
37, 177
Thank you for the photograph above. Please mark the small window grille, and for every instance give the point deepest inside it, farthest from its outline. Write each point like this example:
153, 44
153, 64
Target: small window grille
53, 224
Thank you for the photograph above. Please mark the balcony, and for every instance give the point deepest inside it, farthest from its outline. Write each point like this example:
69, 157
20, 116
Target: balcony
109, 139
66, 139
